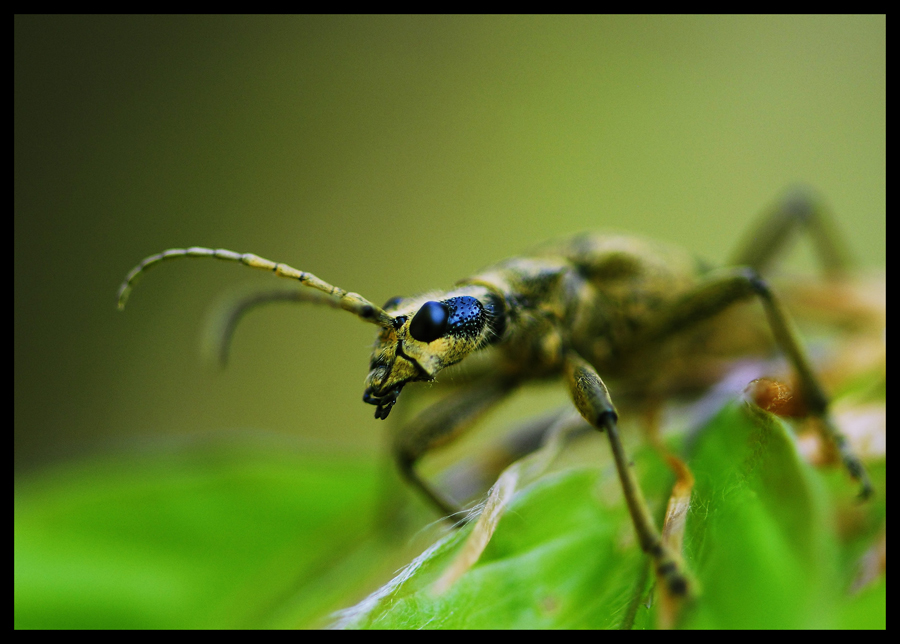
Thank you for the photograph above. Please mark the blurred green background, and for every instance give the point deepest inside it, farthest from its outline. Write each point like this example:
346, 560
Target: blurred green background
388, 155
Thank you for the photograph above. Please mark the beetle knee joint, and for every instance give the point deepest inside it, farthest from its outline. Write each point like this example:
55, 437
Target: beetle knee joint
605, 419
756, 282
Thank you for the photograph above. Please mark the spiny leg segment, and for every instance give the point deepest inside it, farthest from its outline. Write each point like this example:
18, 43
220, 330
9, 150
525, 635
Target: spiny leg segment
352, 302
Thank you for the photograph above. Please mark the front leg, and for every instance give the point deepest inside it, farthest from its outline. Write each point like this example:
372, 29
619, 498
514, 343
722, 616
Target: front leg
592, 400
442, 423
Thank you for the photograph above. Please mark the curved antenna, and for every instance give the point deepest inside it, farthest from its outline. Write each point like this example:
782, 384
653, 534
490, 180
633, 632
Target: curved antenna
229, 312
352, 302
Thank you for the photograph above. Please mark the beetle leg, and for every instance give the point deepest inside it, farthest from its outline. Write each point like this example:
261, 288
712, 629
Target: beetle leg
441, 423
720, 290
800, 210
592, 400
477, 473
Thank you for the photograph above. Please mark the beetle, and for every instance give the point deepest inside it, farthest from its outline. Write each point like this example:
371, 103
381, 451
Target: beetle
641, 313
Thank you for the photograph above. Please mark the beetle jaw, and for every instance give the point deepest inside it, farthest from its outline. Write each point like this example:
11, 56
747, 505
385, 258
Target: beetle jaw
383, 401
388, 375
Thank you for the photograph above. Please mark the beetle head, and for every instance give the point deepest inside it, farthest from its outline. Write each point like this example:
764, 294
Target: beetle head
429, 333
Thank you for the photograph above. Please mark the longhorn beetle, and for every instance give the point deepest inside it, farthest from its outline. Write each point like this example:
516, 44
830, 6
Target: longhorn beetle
582, 309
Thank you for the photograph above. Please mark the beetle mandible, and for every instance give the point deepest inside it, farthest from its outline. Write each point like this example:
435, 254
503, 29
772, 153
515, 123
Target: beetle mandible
616, 305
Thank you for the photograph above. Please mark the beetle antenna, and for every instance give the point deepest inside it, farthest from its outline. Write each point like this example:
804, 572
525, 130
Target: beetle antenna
352, 302
223, 322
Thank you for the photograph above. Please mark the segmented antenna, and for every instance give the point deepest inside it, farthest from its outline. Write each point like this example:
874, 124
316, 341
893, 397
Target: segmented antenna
352, 302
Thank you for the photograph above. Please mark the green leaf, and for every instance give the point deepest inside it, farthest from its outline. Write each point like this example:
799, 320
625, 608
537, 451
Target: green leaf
251, 536
759, 537
555, 562
761, 540
215, 538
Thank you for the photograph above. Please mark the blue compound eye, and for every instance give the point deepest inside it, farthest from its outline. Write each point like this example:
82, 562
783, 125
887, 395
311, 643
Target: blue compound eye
466, 316
430, 322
